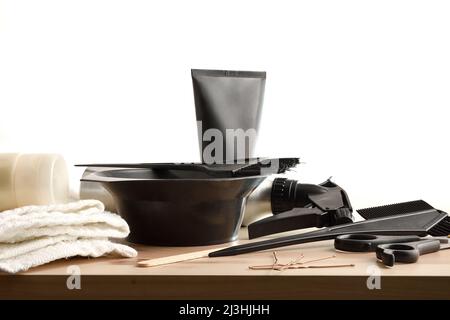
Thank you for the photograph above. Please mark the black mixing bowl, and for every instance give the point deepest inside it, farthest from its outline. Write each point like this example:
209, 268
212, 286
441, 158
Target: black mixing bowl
178, 207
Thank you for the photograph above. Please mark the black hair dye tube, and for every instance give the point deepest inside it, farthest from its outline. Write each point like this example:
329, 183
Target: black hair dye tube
228, 107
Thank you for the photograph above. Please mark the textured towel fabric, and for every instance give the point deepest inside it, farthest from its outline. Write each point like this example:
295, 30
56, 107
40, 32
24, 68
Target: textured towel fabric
35, 235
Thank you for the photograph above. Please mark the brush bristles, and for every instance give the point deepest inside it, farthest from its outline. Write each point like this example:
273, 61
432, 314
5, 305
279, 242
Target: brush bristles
287, 164
441, 229
394, 209
284, 164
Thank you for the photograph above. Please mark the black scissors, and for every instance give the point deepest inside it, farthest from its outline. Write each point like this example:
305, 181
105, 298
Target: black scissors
390, 249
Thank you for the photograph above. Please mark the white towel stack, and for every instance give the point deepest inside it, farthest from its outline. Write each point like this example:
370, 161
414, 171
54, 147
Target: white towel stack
35, 235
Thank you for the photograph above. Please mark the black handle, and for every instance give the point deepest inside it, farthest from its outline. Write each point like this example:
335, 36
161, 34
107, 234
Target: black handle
368, 242
408, 252
298, 218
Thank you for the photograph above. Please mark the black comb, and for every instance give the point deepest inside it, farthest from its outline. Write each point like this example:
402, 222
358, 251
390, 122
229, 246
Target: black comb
394, 209
439, 230
442, 229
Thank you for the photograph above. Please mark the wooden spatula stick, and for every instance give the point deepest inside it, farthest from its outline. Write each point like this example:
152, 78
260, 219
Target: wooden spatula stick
176, 258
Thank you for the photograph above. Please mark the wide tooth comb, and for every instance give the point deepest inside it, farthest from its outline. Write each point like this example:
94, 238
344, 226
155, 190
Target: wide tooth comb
394, 209
441, 229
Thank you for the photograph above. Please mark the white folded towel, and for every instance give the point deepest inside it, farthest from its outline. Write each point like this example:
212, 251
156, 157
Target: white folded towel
35, 235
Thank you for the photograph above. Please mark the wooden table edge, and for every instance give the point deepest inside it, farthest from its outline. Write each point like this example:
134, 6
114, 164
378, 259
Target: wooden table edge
222, 287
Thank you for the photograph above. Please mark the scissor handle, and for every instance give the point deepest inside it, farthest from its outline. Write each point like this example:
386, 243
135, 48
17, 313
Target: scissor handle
407, 252
368, 242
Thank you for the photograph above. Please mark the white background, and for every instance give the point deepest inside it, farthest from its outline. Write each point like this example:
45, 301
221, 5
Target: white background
358, 89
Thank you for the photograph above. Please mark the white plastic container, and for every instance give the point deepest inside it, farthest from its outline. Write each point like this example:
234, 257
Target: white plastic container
32, 179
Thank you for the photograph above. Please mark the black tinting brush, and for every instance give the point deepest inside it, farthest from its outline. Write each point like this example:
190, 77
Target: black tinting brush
408, 218
243, 168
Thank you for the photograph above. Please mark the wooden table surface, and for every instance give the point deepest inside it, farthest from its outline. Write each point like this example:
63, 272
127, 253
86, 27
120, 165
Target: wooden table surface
231, 278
